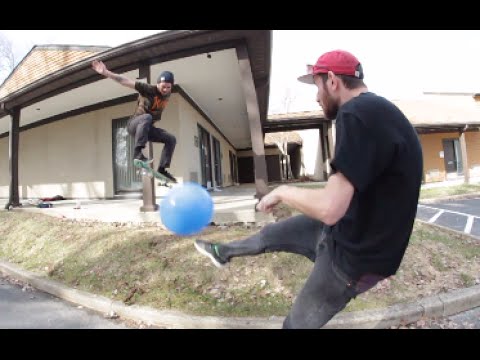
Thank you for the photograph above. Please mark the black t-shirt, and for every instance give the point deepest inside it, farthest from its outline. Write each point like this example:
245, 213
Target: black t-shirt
378, 151
150, 100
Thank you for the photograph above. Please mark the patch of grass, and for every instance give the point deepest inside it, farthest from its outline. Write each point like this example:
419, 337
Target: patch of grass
362, 303
449, 191
467, 279
438, 264
395, 291
470, 249
152, 267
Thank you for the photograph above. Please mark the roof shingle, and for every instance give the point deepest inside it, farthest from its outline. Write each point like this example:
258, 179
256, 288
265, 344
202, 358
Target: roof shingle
290, 137
43, 60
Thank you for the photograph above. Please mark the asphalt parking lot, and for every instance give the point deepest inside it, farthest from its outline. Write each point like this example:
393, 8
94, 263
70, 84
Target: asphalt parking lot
461, 215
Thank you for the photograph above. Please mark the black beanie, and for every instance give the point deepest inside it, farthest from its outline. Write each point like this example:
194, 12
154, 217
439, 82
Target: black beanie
166, 76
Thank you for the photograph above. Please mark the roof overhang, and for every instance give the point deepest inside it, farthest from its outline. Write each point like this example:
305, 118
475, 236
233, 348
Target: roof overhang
181, 50
295, 121
292, 125
444, 128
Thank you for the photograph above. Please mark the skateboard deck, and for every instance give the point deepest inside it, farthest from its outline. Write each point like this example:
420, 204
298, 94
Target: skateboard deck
146, 169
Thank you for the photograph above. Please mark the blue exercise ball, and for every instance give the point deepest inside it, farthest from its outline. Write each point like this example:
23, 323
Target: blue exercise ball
186, 209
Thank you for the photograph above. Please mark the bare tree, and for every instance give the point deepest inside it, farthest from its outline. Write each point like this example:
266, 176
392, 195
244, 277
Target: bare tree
288, 99
282, 141
7, 59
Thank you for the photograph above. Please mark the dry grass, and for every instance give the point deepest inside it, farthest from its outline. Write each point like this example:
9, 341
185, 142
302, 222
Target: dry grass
435, 262
446, 191
149, 266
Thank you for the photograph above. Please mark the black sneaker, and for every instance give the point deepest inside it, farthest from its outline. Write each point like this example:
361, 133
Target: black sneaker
210, 250
167, 175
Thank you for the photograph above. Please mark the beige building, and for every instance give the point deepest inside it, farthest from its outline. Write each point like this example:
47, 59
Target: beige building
447, 123
448, 126
62, 126
316, 138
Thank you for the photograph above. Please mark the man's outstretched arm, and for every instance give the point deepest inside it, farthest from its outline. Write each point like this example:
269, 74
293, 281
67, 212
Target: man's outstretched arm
328, 205
100, 68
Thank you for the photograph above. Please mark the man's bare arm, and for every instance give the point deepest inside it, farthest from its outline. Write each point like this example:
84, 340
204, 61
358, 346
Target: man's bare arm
100, 68
328, 205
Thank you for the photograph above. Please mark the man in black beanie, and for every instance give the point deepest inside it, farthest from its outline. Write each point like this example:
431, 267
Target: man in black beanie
152, 100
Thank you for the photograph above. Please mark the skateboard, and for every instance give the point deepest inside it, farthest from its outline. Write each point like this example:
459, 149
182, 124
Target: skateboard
146, 170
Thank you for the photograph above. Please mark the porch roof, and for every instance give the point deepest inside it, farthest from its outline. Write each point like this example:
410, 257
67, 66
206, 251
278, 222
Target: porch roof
204, 62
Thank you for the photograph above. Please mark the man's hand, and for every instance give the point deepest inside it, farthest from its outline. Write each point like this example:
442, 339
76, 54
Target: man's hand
270, 200
99, 67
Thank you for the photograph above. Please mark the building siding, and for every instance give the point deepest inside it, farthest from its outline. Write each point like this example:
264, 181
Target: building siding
71, 157
4, 168
434, 165
190, 152
473, 152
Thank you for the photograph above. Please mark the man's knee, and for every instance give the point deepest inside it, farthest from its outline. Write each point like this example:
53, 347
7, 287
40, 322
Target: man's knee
147, 118
142, 117
170, 140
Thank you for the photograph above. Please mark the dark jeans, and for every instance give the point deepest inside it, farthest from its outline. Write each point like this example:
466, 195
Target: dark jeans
327, 290
142, 129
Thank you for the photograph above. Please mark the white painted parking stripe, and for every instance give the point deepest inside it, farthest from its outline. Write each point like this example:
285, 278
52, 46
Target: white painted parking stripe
449, 211
468, 226
436, 216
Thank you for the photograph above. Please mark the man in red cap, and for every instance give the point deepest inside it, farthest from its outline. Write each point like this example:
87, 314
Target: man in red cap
152, 100
357, 228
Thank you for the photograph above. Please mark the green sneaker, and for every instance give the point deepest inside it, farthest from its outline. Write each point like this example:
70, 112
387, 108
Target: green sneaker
140, 158
210, 250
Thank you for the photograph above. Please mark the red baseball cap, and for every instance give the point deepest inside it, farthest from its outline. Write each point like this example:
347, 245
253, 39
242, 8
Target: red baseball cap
340, 62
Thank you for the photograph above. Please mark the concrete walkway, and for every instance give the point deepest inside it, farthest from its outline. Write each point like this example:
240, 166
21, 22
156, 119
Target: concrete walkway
232, 205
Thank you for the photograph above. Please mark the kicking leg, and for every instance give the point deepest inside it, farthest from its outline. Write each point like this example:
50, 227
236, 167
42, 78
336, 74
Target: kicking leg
299, 235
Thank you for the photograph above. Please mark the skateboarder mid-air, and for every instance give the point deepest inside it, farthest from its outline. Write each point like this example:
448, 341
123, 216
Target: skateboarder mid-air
152, 100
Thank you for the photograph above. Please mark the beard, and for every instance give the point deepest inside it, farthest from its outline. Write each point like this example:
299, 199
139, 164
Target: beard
329, 105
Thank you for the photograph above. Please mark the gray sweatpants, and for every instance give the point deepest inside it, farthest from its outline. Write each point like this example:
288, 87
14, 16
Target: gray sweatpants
142, 129
327, 290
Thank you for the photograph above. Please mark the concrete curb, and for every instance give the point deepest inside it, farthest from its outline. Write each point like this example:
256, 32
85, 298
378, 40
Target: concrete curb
451, 197
439, 305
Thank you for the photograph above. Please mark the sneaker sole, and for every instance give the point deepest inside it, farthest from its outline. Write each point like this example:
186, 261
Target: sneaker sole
214, 261
170, 179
